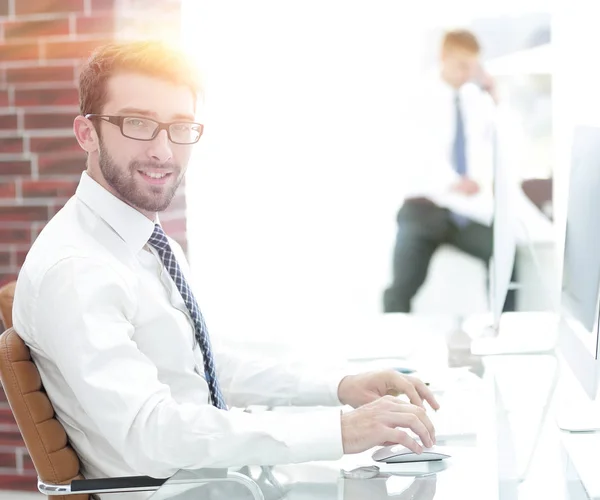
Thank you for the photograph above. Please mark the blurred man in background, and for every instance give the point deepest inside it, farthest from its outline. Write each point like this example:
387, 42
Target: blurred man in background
449, 169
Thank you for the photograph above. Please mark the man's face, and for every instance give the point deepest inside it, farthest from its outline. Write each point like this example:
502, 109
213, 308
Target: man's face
459, 66
144, 174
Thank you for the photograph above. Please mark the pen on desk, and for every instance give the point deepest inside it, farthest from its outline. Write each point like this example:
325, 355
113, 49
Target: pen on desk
404, 371
407, 371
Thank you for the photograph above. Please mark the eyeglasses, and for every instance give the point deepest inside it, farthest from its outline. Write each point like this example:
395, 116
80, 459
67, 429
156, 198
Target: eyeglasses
145, 129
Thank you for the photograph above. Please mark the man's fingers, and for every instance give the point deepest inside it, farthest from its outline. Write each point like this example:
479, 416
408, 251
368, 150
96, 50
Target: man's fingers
416, 420
425, 392
405, 385
405, 408
398, 436
413, 395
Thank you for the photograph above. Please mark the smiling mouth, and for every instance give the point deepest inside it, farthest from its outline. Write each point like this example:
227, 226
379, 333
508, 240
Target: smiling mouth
155, 177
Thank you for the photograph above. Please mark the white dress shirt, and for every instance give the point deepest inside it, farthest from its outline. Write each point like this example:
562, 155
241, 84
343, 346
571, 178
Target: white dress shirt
114, 345
427, 149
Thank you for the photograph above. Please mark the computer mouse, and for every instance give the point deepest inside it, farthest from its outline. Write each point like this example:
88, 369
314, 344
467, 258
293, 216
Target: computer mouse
397, 454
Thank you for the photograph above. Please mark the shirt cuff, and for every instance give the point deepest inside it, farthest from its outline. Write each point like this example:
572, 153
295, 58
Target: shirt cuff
314, 436
320, 387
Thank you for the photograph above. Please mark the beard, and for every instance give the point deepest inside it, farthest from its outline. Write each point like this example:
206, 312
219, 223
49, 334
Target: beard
131, 188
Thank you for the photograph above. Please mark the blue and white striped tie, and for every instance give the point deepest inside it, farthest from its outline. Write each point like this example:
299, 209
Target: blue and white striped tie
160, 242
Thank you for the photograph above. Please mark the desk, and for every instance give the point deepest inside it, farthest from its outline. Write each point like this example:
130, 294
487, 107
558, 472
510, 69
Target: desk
514, 390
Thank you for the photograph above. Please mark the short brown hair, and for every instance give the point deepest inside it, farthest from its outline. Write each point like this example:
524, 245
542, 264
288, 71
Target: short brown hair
461, 39
152, 58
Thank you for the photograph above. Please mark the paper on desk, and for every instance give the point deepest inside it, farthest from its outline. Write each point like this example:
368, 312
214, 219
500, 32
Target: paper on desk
444, 379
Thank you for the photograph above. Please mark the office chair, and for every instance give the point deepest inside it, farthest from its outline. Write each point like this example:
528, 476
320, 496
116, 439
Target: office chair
56, 463
7, 294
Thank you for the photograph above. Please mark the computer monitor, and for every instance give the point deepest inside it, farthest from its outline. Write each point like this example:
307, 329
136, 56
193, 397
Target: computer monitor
515, 332
504, 223
579, 329
504, 229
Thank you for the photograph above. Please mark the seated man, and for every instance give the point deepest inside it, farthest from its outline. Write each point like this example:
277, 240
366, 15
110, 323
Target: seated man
450, 159
104, 303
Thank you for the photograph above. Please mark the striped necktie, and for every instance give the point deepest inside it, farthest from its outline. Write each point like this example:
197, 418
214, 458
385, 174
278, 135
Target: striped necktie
160, 242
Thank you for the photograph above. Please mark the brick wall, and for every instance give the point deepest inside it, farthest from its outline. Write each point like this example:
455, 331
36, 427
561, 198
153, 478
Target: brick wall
42, 45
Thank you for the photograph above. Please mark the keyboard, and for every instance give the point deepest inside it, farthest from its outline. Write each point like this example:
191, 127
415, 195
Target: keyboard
459, 414
454, 424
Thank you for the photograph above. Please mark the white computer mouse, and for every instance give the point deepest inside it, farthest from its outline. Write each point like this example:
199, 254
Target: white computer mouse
397, 454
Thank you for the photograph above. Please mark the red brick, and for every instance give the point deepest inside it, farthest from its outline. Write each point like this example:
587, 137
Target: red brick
23, 214
40, 74
46, 97
15, 167
49, 120
19, 51
55, 207
28, 463
71, 50
11, 144
15, 235
8, 122
61, 164
3, 96
5, 258
23, 7
8, 190
37, 228
49, 189
53, 144
8, 459
11, 439
98, 5
4, 7
101, 24
21, 254
4, 279
6, 417
34, 29
19, 482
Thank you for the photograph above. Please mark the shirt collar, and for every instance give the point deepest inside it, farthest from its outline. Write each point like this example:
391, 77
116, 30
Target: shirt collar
133, 227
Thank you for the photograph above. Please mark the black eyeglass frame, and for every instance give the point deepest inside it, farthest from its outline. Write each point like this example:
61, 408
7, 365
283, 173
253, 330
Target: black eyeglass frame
118, 120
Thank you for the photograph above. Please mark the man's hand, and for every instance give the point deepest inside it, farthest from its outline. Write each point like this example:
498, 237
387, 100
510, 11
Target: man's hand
466, 186
488, 85
357, 390
378, 423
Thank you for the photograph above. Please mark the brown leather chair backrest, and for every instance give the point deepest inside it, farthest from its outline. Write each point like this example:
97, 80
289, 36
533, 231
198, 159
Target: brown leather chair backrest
7, 294
45, 438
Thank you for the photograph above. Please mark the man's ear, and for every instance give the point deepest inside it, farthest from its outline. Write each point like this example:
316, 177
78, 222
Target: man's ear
85, 133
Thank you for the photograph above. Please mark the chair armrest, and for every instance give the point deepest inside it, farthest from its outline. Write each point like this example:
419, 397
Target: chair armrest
139, 483
103, 485
147, 483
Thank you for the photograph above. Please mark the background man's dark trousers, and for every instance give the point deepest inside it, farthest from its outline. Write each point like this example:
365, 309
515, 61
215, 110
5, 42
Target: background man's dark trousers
422, 228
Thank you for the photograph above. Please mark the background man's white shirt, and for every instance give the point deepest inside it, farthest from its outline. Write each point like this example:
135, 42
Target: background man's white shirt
427, 151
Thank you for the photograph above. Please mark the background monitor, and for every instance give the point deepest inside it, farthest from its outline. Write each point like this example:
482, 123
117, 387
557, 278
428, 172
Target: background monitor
504, 222
578, 339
